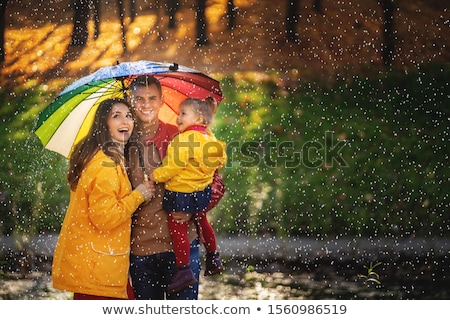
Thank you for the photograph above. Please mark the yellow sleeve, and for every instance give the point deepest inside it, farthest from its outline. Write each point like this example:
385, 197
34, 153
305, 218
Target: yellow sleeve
175, 160
109, 204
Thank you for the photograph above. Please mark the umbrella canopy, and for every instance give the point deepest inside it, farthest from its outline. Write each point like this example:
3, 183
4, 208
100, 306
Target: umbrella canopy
69, 117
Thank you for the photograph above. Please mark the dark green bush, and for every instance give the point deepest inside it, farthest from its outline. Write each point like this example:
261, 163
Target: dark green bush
370, 156
33, 186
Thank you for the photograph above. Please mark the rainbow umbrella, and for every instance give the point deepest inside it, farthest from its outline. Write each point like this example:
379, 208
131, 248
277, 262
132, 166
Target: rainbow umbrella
69, 117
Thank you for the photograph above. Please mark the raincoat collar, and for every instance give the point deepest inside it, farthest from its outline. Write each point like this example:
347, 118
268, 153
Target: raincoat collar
197, 127
164, 134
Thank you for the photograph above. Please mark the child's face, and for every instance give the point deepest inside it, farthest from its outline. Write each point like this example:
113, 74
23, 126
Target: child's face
187, 117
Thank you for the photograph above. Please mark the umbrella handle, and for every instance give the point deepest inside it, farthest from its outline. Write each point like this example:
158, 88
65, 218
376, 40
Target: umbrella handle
142, 164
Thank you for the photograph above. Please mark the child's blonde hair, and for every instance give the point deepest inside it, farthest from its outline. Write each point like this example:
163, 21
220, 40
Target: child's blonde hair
206, 108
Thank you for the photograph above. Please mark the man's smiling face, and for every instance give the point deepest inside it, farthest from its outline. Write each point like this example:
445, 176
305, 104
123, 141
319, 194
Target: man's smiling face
146, 101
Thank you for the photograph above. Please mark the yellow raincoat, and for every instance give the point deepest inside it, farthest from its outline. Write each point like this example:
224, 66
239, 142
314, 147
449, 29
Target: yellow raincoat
192, 158
92, 253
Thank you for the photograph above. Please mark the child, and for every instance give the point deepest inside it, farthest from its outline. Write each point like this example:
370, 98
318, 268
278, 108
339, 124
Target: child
188, 169
207, 237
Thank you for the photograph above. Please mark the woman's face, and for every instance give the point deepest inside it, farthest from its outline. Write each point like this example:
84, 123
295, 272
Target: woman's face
120, 123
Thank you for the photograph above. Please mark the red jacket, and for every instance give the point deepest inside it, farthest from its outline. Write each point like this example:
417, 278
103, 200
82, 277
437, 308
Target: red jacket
163, 137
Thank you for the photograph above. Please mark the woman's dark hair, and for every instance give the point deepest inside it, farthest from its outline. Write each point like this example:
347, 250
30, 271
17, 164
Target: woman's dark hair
97, 138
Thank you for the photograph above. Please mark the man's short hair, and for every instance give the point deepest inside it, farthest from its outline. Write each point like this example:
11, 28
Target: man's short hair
145, 81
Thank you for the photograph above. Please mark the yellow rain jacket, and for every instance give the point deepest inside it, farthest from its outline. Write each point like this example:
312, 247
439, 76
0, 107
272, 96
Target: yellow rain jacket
192, 158
92, 253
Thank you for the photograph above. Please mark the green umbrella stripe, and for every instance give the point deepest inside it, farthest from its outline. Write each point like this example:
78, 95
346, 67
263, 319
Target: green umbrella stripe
78, 94
54, 121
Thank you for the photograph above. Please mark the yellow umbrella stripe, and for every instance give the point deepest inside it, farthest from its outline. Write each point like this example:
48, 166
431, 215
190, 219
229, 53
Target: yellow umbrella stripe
111, 93
77, 124
63, 106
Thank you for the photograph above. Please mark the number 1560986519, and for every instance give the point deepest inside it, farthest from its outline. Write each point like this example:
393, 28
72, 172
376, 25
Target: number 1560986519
307, 309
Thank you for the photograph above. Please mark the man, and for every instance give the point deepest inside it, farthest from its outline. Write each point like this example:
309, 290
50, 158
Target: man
152, 261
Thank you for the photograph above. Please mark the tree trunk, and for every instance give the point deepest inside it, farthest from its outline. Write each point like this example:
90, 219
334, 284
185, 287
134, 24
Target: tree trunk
201, 27
96, 15
80, 32
317, 5
291, 20
388, 32
121, 12
132, 10
172, 8
231, 14
2, 29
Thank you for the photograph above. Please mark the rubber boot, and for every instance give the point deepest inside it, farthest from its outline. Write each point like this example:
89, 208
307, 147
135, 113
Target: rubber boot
213, 264
182, 278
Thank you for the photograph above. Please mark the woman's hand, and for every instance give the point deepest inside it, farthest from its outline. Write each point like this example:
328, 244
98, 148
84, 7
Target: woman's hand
147, 189
150, 185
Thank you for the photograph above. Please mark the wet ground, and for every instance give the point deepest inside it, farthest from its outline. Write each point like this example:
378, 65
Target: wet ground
279, 280
272, 268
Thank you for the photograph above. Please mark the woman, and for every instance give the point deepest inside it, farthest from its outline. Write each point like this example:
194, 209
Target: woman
92, 254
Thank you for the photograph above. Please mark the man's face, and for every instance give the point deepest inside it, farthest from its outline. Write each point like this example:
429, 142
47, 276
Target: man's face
146, 102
